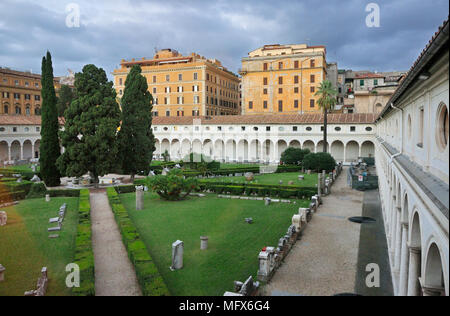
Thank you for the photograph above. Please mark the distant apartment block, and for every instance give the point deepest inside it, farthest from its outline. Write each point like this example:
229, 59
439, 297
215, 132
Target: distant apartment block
185, 85
282, 79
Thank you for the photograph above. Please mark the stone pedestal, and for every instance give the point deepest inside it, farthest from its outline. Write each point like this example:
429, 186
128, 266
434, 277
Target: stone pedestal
139, 198
297, 222
203, 243
267, 201
2, 273
47, 198
3, 218
177, 255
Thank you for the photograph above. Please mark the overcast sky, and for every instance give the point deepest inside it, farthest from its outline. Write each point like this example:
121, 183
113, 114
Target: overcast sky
226, 29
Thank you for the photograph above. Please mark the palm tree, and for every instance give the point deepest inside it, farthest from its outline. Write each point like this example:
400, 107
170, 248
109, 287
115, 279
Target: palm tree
327, 101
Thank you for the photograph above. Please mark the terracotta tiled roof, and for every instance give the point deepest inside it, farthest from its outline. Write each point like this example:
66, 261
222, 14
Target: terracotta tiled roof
335, 118
23, 120
369, 75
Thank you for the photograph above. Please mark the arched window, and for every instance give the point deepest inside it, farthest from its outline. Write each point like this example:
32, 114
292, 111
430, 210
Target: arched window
18, 110
442, 129
37, 111
5, 109
27, 110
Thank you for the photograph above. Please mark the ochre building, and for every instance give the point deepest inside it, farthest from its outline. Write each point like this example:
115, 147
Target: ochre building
185, 85
20, 92
282, 79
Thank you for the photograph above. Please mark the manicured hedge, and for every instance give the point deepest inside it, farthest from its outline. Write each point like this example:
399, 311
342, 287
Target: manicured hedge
260, 190
126, 188
84, 255
27, 175
14, 191
38, 190
151, 282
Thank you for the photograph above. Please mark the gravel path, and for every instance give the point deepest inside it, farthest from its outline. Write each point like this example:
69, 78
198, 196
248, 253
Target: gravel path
114, 273
324, 261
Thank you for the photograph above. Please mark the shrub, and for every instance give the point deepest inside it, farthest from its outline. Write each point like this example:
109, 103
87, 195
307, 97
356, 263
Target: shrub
319, 162
174, 186
151, 282
37, 190
293, 156
84, 255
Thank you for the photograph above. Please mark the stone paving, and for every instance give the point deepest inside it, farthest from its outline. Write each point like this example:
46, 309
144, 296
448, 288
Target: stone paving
114, 273
324, 261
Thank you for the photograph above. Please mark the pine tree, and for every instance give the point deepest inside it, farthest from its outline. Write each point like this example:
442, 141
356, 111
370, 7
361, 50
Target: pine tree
91, 123
136, 139
49, 148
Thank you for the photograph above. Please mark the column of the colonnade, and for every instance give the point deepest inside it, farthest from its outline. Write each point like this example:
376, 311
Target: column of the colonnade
404, 265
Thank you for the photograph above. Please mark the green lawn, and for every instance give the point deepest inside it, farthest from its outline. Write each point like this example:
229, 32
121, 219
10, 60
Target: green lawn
234, 245
25, 247
237, 165
22, 168
274, 179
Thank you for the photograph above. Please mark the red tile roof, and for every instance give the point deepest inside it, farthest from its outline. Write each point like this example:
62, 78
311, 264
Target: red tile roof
23, 120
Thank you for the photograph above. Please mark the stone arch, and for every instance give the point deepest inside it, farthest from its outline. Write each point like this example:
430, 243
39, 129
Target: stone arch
368, 149
295, 144
415, 265
282, 145
4, 156
185, 148
434, 280
352, 151
208, 148
242, 150
320, 147
165, 145
157, 147
175, 150
337, 150
27, 149
197, 146
15, 150
268, 150
309, 144
255, 149
37, 149
219, 150
230, 149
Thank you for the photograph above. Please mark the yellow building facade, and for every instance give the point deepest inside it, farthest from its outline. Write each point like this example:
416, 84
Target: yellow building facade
282, 79
20, 92
185, 85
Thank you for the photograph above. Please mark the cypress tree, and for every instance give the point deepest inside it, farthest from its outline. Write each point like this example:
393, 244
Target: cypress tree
90, 130
136, 139
49, 148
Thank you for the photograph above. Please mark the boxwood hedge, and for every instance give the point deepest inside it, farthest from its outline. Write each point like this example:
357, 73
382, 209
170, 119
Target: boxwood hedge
150, 280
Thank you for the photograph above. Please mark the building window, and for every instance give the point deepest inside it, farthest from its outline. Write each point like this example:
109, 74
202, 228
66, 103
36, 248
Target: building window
361, 83
120, 92
154, 79
442, 127
313, 89
337, 129
280, 106
375, 82
280, 65
421, 125
264, 91
2, 129
6, 95
18, 110
167, 113
27, 110
265, 104
265, 81
296, 64
120, 81
180, 77
280, 80
296, 89
312, 103
250, 104
37, 111
14, 129
265, 66
313, 78
296, 104
352, 128
180, 89
16, 82
368, 129
17, 96
280, 90
196, 99
313, 63
309, 128
155, 113
37, 98
295, 79
294, 128
195, 76
167, 78
38, 129
5, 109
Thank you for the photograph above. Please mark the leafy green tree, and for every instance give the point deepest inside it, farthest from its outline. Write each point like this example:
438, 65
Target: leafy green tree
49, 148
90, 131
136, 140
319, 162
66, 96
327, 101
293, 156
172, 187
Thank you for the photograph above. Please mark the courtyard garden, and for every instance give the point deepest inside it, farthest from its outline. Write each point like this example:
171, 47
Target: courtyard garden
234, 245
25, 246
